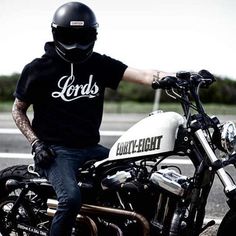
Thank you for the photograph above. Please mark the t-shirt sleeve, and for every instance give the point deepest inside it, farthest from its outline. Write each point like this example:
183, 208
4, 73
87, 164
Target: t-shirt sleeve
24, 88
114, 71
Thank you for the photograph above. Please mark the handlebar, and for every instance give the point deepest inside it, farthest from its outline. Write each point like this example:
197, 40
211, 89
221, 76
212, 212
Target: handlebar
185, 80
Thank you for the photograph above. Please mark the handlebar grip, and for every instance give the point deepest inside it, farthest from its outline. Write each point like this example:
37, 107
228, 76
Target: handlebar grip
207, 75
167, 82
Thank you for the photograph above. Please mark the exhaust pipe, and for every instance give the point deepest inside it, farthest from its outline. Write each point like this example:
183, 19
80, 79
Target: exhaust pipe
85, 219
98, 210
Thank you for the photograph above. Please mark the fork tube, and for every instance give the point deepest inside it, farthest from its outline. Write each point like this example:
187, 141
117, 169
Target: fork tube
226, 181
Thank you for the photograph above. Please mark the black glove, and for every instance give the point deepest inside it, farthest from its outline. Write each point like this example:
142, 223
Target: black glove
43, 154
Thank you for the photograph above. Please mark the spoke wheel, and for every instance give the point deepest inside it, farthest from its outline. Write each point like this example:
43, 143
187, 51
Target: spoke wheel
13, 224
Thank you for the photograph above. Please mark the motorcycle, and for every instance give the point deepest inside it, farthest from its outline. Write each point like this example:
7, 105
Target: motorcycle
135, 191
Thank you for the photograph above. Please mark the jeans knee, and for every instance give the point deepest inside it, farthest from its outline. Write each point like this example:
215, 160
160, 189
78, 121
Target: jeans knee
72, 202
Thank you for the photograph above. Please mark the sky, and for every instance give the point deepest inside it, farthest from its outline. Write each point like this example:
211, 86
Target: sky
167, 35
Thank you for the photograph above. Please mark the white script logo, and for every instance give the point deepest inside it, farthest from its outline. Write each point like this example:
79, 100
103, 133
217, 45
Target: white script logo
70, 91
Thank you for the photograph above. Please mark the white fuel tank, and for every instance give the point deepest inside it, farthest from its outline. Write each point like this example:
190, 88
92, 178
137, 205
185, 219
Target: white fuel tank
152, 135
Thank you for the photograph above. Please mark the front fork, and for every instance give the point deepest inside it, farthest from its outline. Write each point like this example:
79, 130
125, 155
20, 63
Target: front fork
229, 186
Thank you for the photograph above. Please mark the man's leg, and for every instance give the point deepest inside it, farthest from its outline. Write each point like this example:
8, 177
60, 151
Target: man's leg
62, 175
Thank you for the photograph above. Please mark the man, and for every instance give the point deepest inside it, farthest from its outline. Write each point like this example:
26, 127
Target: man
66, 88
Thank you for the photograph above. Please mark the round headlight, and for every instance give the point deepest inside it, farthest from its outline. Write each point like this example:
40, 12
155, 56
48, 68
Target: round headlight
228, 137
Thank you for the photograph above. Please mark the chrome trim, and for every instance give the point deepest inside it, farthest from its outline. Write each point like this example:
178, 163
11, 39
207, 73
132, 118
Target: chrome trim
225, 179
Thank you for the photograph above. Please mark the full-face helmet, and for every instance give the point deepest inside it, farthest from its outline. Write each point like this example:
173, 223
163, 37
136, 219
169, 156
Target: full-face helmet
74, 29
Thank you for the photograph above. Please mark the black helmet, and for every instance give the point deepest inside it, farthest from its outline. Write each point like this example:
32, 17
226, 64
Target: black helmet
74, 29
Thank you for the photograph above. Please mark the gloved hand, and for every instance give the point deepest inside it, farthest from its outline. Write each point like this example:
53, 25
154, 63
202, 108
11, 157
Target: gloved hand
43, 154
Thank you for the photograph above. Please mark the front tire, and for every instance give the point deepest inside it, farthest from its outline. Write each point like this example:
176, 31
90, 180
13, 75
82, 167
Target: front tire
227, 226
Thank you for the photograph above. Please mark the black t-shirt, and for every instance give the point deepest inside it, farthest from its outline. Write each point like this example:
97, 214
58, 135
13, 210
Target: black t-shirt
68, 98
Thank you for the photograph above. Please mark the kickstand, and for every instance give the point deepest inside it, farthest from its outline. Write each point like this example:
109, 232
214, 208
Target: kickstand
209, 224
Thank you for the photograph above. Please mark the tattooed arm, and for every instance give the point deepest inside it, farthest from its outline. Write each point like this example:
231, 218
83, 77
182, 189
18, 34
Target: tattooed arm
22, 121
43, 155
144, 76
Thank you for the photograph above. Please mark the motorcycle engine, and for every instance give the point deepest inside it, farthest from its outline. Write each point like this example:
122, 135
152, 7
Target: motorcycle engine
116, 180
170, 180
163, 193
170, 208
165, 179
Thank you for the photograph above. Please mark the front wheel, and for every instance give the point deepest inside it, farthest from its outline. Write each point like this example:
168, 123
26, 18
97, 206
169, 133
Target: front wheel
227, 226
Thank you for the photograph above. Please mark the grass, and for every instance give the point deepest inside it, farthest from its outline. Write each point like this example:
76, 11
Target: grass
135, 107
5, 106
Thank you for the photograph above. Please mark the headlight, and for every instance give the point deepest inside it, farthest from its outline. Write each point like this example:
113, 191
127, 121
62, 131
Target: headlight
228, 137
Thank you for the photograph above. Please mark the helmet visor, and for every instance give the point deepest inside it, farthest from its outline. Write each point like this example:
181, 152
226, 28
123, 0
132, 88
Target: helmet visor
70, 36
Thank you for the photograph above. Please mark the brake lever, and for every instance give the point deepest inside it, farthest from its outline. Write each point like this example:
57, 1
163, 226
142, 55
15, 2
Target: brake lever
231, 160
182, 83
220, 164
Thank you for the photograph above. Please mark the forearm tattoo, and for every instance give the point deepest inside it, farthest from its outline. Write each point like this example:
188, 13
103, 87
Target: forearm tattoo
22, 121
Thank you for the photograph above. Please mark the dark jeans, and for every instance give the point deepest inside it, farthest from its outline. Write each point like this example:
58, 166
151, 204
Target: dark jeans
62, 175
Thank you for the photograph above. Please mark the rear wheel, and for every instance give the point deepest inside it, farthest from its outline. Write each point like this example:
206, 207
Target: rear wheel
15, 224
18, 172
29, 217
